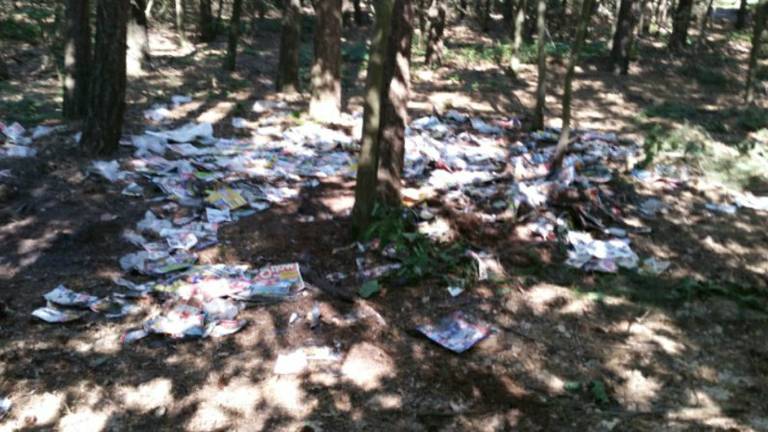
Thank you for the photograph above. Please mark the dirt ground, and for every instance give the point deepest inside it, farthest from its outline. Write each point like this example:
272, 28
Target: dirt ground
570, 350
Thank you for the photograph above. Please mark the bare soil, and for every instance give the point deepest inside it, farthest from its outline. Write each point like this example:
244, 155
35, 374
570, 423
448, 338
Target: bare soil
570, 350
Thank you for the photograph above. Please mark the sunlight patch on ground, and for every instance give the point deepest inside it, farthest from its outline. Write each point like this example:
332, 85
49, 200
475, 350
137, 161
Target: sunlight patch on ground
286, 392
217, 113
339, 205
39, 410
655, 333
545, 298
637, 392
367, 365
386, 401
84, 419
147, 396
239, 396
207, 418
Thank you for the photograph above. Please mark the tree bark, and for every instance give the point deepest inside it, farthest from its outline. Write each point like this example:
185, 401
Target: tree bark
644, 21
207, 31
138, 39
394, 115
422, 9
517, 36
541, 86
325, 103
368, 161
662, 15
486, 16
436, 17
704, 24
180, 21
680, 24
234, 34
623, 37
290, 38
4, 73
761, 15
741, 15
573, 60
77, 59
104, 122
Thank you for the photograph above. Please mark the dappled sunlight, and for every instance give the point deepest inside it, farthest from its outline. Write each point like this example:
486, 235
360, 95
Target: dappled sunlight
42, 409
217, 113
287, 393
638, 391
366, 365
147, 396
642, 347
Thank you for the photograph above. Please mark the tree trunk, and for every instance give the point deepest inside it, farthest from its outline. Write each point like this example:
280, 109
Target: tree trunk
148, 10
325, 103
77, 59
219, 11
486, 16
623, 37
682, 20
262, 7
422, 10
741, 15
462, 9
541, 86
180, 21
358, 13
436, 16
394, 115
234, 34
704, 24
4, 73
644, 21
138, 39
761, 15
368, 161
573, 60
663, 17
290, 39
207, 31
517, 37
104, 122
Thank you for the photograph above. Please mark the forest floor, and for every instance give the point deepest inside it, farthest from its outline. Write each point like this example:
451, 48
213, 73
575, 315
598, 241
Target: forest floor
570, 350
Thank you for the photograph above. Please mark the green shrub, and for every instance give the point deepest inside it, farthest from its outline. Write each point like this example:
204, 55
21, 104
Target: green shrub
708, 76
671, 110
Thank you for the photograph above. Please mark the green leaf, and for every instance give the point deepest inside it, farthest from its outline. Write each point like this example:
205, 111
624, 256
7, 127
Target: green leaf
369, 288
572, 386
599, 392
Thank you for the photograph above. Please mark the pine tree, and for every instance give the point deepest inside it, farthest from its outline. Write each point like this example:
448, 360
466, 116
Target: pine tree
106, 105
288, 68
325, 102
77, 59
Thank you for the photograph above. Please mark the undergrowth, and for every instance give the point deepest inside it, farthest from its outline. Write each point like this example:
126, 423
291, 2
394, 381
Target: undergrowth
420, 257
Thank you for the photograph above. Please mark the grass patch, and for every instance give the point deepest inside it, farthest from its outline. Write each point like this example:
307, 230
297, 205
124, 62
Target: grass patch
705, 75
693, 146
762, 73
501, 53
420, 258
744, 35
19, 30
751, 118
28, 111
671, 110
